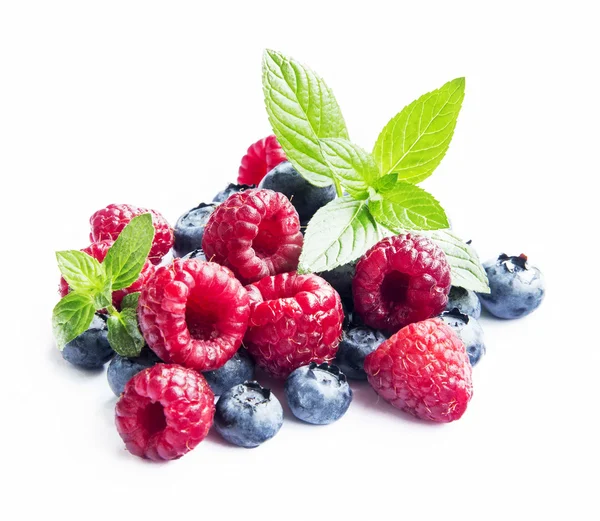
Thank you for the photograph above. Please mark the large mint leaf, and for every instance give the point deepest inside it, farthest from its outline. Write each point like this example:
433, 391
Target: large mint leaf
414, 142
125, 258
71, 316
354, 167
302, 109
407, 207
82, 272
338, 233
124, 335
467, 271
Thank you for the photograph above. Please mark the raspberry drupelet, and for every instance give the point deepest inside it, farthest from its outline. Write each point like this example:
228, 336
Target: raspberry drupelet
194, 313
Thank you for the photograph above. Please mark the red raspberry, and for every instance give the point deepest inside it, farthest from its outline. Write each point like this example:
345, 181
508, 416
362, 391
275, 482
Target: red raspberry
401, 280
194, 313
256, 233
108, 223
294, 320
423, 369
164, 412
260, 159
98, 250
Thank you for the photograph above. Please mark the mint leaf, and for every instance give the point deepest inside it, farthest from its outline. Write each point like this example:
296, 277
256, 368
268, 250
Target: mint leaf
71, 316
467, 271
386, 183
407, 207
124, 335
302, 109
338, 233
125, 258
414, 142
82, 272
354, 167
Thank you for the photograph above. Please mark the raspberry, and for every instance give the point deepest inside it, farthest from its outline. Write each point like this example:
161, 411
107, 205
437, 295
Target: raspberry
98, 250
401, 280
261, 158
108, 223
164, 412
424, 370
256, 233
194, 313
294, 320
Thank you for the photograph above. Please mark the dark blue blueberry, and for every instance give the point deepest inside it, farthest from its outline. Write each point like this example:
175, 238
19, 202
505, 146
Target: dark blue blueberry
469, 331
516, 288
248, 415
465, 300
238, 369
355, 345
230, 190
189, 229
196, 254
91, 349
318, 394
341, 280
122, 369
306, 198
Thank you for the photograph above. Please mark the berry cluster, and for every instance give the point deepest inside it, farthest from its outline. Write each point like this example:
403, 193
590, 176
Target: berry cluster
231, 302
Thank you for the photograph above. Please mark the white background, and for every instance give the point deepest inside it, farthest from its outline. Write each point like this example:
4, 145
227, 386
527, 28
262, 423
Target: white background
154, 103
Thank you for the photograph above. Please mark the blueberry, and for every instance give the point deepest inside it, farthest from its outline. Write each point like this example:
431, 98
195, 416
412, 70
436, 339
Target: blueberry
341, 280
516, 288
91, 349
318, 394
356, 344
236, 370
469, 331
465, 300
196, 254
248, 415
230, 190
122, 369
306, 198
189, 228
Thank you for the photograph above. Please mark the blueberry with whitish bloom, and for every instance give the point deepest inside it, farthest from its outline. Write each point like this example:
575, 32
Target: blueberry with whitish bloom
516, 287
318, 394
465, 300
230, 190
469, 331
90, 350
122, 369
341, 280
237, 370
196, 254
189, 229
248, 415
356, 344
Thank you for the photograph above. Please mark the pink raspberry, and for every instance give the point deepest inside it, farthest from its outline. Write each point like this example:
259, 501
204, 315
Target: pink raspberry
260, 159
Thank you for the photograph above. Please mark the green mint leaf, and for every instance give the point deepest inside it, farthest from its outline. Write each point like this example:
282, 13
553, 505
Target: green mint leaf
338, 233
124, 335
302, 109
82, 272
130, 301
352, 166
467, 271
386, 183
71, 316
407, 207
414, 142
125, 258
103, 298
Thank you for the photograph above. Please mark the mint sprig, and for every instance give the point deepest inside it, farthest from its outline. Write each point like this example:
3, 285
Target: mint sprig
382, 196
92, 283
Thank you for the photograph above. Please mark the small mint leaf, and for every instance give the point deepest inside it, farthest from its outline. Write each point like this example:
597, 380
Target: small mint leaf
82, 272
386, 183
408, 207
351, 165
338, 233
415, 141
124, 335
103, 298
71, 316
302, 109
130, 301
125, 258
466, 268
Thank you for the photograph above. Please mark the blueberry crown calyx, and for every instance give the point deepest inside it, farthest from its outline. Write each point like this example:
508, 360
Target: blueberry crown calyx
254, 385
455, 313
332, 369
510, 262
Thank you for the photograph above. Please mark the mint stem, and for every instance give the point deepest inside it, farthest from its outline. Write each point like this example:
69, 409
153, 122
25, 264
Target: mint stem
338, 188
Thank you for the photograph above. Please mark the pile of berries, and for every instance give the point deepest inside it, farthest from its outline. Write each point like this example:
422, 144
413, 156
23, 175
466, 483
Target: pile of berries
230, 305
